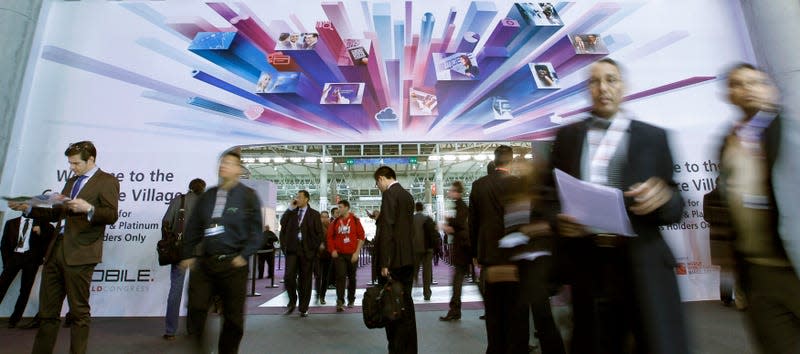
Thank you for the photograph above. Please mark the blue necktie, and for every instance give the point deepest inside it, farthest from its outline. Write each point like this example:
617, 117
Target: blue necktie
76, 187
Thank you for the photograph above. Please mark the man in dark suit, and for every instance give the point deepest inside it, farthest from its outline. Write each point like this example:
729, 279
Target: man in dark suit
77, 248
23, 247
395, 252
623, 288
506, 312
458, 226
301, 236
424, 232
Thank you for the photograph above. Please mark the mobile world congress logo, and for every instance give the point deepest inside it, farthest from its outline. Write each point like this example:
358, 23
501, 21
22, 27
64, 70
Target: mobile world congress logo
121, 280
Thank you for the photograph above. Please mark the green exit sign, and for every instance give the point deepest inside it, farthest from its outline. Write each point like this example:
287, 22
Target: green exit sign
350, 161
412, 160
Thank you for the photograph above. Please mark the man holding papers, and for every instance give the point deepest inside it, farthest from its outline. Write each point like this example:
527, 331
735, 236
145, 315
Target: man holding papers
623, 283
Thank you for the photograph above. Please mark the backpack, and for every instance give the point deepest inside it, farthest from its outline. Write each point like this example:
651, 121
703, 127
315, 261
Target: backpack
169, 247
383, 304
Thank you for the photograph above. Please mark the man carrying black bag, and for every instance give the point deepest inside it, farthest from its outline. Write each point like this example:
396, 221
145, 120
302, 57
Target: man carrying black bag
172, 227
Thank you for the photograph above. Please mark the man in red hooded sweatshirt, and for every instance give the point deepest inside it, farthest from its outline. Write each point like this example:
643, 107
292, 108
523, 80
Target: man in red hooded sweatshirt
345, 238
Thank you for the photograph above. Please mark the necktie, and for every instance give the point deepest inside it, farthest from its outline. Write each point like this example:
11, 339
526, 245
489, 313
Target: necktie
76, 187
299, 216
21, 241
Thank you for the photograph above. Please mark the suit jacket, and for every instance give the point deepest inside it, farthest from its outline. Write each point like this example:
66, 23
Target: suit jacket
311, 227
38, 241
83, 238
424, 230
651, 261
489, 195
461, 241
395, 247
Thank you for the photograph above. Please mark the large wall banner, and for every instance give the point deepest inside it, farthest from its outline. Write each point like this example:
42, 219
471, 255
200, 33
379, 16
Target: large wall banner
163, 87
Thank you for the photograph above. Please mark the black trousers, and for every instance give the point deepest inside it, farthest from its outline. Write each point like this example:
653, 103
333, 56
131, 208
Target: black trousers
402, 334
297, 280
459, 270
507, 325
322, 275
345, 270
269, 259
773, 297
217, 277
536, 278
26, 263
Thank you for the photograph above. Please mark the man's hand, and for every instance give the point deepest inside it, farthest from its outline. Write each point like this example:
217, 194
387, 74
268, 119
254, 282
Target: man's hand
568, 226
354, 258
475, 262
536, 229
385, 272
238, 261
78, 206
649, 196
449, 229
335, 254
18, 206
187, 264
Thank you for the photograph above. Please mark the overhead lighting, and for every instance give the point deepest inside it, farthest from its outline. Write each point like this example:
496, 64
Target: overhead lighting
248, 159
464, 157
480, 157
263, 159
327, 159
296, 159
449, 157
369, 198
528, 156
278, 159
311, 159
434, 157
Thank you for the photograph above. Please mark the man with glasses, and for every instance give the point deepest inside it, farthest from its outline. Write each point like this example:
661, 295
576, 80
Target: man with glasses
77, 248
624, 292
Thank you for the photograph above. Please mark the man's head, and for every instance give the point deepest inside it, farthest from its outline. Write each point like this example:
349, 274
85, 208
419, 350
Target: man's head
456, 190
197, 186
418, 206
335, 212
81, 157
344, 207
751, 89
503, 156
384, 177
606, 87
324, 216
230, 165
310, 39
302, 198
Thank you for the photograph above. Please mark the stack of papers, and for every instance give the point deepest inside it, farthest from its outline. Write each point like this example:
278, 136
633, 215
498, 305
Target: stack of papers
593, 205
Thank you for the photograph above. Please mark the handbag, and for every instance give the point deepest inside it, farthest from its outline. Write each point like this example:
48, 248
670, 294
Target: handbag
383, 304
169, 247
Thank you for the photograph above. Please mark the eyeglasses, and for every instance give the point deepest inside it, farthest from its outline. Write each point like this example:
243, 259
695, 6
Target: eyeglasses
611, 81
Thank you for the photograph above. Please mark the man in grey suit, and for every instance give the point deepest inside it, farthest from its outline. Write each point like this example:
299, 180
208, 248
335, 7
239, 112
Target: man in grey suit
301, 236
395, 252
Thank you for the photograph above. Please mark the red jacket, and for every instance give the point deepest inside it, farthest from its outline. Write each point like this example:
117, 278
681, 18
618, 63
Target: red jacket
344, 233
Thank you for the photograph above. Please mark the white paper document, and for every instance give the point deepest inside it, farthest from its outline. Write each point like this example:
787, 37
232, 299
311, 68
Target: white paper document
595, 206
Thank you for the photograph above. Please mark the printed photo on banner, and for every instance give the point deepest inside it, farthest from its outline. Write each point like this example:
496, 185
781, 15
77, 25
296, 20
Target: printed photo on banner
539, 13
544, 75
356, 52
278, 82
422, 103
297, 41
501, 108
342, 93
588, 44
454, 67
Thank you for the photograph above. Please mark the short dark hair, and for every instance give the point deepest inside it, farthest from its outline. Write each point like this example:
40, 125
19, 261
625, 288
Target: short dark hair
458, 186
197, 186
418, 206
324, 212
336, 208
345, 203
85, 148
304, 193
283, 36
232, 152
490, 167
503, 155
384, 171
612, 62
736, 67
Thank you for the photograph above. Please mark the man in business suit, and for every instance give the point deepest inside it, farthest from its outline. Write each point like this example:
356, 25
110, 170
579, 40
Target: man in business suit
458, 226
395, 253
301, 235
424, 232
23, 247
747, 183
506, 311
623, 288
77, 247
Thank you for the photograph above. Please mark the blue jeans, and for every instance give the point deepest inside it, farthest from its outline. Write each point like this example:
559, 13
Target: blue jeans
176, 277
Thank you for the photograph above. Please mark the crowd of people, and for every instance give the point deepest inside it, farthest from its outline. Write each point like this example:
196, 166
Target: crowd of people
623, 288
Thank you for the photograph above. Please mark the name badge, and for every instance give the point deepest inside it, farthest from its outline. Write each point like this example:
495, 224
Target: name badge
300, 236
214, 231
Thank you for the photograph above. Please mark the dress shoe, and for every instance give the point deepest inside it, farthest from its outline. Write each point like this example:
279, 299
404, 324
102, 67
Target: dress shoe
322, 301
450, 317
169, 337
68, 321
289, 310
350, 304
483, 317
304, 314
12, 324
339, 308
32, 324
427, 298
